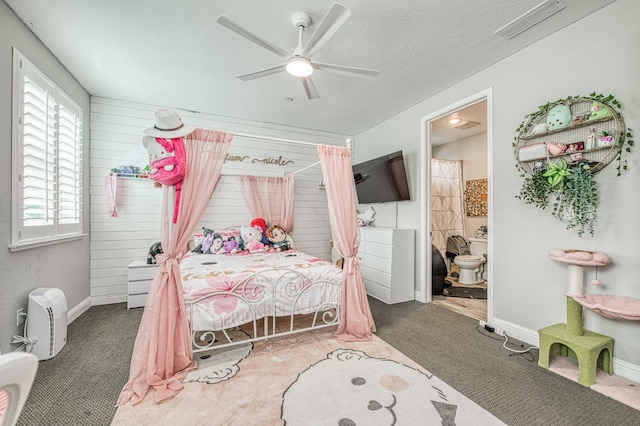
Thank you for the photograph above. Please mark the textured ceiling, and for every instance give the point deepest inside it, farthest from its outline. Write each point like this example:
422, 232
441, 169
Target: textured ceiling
174, 53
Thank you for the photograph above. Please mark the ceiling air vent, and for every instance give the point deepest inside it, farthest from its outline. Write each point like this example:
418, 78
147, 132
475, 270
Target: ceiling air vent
465, 125
530, 18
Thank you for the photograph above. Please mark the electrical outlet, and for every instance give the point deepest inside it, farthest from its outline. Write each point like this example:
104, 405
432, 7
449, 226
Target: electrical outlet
499, 332
20, 317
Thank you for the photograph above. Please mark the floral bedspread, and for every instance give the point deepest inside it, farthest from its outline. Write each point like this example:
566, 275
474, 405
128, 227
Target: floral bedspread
262, 284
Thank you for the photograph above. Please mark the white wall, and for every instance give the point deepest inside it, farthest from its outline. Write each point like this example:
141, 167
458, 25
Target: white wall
64, 265
528, 287
116, 135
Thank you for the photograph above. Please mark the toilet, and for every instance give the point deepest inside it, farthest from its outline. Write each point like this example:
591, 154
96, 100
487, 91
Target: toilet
471, 265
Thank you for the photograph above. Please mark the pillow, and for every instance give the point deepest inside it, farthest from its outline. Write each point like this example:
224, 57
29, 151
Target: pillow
231, 240
208, 242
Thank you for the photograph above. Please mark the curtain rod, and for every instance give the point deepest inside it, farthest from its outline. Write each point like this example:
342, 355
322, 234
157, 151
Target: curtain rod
275, 139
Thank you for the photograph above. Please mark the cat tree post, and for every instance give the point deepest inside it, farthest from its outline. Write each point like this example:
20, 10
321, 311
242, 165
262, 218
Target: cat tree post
574, 309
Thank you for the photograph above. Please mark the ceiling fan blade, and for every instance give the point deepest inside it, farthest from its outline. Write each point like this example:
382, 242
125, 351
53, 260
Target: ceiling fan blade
263, 73
330, 24
228, 23
310, 88
347, 71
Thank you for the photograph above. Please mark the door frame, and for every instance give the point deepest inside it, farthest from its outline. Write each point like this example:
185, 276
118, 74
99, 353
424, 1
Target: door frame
424, 292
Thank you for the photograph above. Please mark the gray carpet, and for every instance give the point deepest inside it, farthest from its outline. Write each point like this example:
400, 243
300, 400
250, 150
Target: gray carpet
473, 361
81, 384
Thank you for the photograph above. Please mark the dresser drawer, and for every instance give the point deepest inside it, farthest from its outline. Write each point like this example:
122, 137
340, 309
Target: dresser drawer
140, 270
136, 300
380, 250
377, 263
381, 236
137, 287
374, 275
377, 291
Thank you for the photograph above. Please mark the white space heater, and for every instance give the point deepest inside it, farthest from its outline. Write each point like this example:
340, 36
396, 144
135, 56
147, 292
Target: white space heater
47, 321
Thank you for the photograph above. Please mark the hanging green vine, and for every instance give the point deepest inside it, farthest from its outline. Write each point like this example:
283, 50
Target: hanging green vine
571, 185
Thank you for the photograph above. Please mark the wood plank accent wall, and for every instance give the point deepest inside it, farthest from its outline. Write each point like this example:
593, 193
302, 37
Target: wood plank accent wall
116, 134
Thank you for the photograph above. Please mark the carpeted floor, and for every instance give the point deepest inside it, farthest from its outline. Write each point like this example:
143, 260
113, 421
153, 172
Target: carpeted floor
81, 384
366, 383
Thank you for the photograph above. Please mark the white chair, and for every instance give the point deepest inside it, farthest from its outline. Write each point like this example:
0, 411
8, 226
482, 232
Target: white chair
17, 371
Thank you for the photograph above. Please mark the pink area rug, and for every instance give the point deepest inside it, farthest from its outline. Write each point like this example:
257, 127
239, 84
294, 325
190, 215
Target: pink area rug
312, 379
615, 387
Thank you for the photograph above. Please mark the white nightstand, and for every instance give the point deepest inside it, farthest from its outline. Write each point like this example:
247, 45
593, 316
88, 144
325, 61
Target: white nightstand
139, 278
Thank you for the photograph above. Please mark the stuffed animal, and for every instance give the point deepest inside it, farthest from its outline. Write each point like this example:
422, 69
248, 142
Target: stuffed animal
366, 218
167, 164
279, 238
154, 250
252, 239
261, 224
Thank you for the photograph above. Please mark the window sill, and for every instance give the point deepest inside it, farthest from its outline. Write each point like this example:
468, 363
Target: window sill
47, 242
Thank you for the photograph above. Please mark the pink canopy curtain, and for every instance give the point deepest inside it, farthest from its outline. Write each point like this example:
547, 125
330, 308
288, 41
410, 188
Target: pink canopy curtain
162, 354
356, 321
270, 198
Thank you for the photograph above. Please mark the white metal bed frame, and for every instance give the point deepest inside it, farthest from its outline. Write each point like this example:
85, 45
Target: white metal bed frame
251, 291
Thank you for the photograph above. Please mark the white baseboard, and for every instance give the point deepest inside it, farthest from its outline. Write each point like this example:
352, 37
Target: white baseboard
620, 368
626, 369
79, 309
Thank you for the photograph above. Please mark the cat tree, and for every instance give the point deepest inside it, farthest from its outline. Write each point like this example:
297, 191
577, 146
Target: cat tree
591, 349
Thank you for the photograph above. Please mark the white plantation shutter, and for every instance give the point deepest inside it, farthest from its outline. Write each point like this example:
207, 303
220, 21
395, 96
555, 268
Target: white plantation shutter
47, 163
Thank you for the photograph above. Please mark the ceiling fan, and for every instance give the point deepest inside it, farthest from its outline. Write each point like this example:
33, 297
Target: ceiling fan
299, 62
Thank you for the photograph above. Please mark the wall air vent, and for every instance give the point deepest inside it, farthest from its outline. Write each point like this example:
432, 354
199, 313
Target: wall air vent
465, 125
530, 18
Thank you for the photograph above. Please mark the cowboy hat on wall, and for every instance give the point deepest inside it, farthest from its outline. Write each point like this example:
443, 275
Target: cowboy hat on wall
168, 125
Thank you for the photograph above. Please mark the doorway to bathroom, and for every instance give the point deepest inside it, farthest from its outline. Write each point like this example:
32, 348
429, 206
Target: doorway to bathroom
457, 206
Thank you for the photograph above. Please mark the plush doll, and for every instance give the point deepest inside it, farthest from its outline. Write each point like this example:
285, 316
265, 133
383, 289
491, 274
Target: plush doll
154, 250
167, 157
252, 239
366, 218
279, 238
261, 224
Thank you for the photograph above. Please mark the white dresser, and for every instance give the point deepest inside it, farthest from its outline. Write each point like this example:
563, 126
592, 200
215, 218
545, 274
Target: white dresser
139, 278
387, 263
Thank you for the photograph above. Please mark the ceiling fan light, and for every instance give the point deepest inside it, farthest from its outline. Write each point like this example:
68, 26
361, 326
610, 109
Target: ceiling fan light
299, 67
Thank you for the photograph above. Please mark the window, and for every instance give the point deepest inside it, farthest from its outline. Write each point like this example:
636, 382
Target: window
47, 160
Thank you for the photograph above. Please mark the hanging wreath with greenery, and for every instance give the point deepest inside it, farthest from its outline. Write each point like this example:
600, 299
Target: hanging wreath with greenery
562, 146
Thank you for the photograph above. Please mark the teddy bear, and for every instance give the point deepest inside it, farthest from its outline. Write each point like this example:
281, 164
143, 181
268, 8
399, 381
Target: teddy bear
252, 239
279, 238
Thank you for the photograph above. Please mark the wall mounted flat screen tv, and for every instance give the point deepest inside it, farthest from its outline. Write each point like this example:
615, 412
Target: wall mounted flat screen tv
381, 179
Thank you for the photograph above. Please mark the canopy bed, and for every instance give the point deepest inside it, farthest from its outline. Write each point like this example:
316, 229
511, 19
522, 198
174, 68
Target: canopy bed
163, 352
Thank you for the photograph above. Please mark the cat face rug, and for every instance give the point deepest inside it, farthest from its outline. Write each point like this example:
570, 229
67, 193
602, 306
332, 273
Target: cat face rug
351, 388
